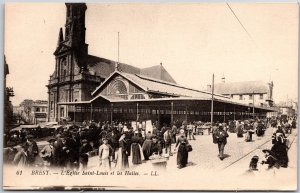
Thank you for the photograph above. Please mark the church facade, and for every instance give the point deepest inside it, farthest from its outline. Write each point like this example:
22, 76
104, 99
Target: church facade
77, 74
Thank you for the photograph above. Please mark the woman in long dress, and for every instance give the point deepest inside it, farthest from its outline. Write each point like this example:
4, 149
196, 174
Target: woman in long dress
124, 152
280, 149
136, 150
240, 129
105, 155
147, 146
182, 154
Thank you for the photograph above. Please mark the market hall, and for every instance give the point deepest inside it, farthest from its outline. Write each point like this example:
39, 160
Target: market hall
134, 97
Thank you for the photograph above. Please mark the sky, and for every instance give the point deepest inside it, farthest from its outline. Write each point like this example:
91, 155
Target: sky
192, 41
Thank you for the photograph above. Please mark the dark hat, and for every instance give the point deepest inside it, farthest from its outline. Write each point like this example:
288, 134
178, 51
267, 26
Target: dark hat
51, 139
84, 141
153, 137
266, 150
255, 158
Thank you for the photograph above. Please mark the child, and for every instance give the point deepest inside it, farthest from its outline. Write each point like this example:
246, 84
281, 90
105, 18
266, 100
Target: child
253, 163
105, 155
269, 159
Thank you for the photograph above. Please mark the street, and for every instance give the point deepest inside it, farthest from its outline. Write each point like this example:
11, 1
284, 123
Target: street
204, 155
205, 171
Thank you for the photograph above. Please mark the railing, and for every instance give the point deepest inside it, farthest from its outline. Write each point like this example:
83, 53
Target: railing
77, 77
87, 77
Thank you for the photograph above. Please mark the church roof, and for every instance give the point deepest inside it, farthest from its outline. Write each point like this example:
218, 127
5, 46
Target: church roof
158, 72
104, 67
245, 87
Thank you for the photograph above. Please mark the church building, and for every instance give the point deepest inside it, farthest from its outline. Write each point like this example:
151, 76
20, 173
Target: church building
77, 74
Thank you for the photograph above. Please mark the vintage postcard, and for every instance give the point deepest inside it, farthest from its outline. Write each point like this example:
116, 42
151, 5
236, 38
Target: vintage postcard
166, 96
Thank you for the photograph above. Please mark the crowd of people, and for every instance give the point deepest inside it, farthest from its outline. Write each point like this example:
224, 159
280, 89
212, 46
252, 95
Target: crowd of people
114, 143
277, 155
119, 145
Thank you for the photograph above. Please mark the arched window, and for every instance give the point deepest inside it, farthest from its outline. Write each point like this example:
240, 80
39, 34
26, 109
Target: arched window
118, 88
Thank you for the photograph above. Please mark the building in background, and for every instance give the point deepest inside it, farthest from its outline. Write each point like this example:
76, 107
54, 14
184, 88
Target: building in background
257, 93
288, 108
40, 111
31, 112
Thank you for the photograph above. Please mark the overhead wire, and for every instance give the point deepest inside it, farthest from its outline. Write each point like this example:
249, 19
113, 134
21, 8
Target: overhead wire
232, 11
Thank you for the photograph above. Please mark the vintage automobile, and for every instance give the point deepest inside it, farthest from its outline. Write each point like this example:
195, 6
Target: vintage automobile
18, 134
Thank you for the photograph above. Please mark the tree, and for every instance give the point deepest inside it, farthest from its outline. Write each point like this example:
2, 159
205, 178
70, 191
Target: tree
27, 106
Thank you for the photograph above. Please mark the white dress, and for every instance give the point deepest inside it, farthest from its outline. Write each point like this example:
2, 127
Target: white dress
104, 157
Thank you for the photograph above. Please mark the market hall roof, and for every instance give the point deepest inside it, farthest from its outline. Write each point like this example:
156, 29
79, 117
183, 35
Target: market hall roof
245, 87
152, 85
183, 100
104, 67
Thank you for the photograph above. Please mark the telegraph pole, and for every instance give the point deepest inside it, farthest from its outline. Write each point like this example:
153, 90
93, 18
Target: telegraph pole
212, 101
253, 104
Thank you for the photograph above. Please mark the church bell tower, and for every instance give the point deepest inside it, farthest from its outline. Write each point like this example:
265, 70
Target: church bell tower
74, 42
70, 81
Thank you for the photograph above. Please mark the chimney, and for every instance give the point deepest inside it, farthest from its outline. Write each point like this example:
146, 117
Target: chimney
223, 79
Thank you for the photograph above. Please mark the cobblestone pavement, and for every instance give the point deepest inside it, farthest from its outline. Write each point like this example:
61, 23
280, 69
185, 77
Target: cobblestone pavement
205, 171
204, 154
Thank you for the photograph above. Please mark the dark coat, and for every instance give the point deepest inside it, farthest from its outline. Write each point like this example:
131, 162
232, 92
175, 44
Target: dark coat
33, 151
155, 148
182, 154
83, 150
220, 136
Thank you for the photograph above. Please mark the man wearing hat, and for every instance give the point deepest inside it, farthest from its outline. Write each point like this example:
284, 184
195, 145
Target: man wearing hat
270, 159
156, 147
84, 153
47, 153
221, 137
33, 150
168, 140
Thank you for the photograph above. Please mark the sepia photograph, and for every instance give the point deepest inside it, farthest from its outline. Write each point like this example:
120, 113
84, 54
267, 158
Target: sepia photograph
151, 96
